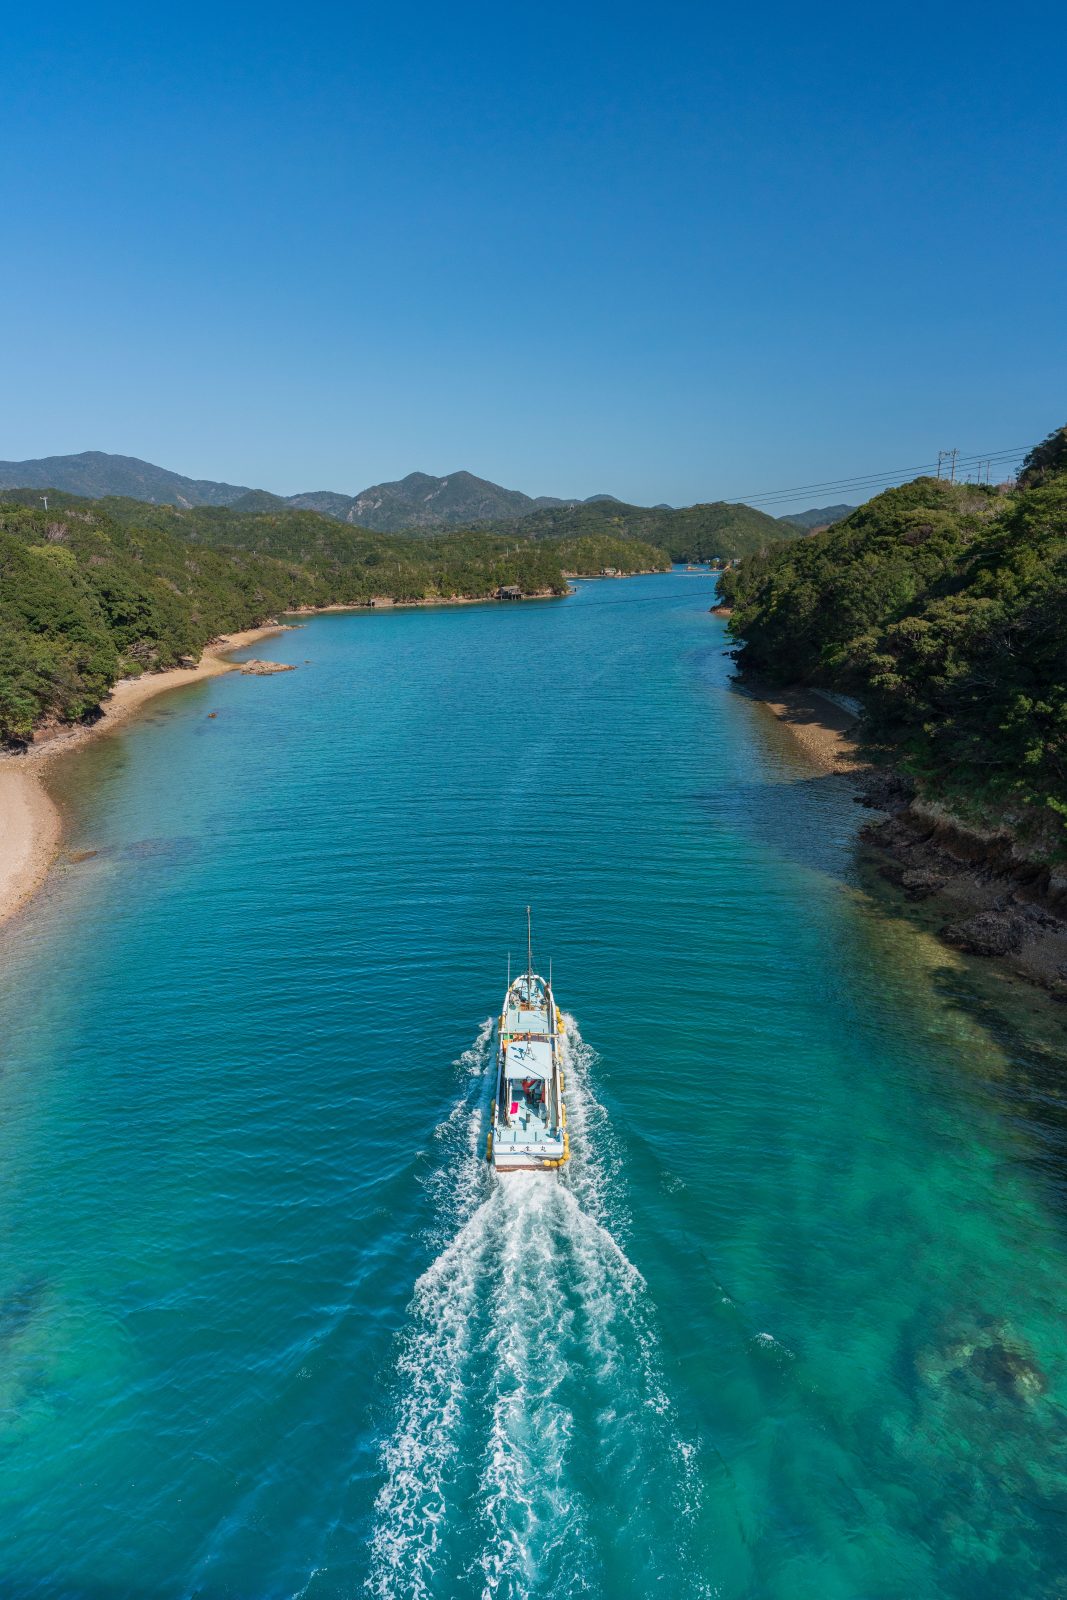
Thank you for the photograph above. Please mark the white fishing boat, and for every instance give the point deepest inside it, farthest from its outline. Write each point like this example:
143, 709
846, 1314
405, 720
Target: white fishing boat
529, 1127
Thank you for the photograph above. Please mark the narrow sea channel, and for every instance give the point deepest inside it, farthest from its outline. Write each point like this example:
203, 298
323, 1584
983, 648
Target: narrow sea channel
791, 1327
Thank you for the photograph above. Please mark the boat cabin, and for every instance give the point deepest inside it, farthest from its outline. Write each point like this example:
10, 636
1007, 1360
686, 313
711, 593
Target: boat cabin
529, 1127
528, 1088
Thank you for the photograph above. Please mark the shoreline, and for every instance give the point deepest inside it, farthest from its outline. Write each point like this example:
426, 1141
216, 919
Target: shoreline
824, 730
32, 825
976, 889
387, 603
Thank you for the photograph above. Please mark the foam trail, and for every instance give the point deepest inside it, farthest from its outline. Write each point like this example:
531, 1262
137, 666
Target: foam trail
461, 1179
530, 1364
527, 1512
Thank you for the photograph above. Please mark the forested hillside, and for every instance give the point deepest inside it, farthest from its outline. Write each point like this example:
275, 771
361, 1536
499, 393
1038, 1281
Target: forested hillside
944, 608
91, 590
715, 532
419, 500
418, 505
95, 472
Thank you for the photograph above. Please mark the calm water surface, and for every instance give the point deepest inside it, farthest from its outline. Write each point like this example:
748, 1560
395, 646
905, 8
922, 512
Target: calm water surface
792, 1324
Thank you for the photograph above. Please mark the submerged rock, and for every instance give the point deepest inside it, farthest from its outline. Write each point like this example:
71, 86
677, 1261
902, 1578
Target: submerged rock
986, 1355
1006, 1368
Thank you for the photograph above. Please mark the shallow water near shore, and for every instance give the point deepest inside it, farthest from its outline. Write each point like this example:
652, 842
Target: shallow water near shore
791, 1326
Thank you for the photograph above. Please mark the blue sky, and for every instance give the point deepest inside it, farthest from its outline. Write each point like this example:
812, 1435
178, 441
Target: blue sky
671, 252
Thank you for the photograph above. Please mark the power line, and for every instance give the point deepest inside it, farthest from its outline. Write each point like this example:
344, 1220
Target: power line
865, 479
870, 477
874, 481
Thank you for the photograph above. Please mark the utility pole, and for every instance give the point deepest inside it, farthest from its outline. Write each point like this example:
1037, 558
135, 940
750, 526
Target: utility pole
949, 456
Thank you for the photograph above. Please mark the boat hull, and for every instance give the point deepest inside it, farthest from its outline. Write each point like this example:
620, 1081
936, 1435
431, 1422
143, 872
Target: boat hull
529, 1119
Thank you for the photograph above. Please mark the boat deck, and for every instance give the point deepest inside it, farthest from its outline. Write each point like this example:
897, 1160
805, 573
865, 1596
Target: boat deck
526, 1122
520, 1019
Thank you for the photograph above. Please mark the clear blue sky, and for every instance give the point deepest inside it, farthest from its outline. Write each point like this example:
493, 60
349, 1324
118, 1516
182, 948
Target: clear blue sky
673, 252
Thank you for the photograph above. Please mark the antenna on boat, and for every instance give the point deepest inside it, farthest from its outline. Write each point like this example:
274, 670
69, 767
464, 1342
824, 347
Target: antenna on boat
529, 957
509, 969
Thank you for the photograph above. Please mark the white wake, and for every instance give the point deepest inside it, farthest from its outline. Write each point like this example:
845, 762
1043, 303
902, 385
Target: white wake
529, 1400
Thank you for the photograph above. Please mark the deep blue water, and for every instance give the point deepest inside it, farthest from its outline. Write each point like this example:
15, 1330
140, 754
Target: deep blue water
791, 1325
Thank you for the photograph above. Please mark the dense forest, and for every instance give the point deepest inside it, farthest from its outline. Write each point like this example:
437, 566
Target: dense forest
92, 590
715, 532
943, 607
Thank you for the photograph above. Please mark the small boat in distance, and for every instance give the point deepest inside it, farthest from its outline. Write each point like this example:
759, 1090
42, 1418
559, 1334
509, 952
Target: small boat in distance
529, 1128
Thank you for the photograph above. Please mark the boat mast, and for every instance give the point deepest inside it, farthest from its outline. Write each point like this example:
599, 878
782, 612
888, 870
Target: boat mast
529, 959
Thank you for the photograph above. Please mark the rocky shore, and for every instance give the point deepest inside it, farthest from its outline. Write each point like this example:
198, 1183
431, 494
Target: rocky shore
989, 894
983, 892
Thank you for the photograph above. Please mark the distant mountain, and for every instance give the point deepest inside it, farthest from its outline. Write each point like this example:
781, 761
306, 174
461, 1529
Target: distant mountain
422, 501
95, 474
259, 500
417, 501
817, 517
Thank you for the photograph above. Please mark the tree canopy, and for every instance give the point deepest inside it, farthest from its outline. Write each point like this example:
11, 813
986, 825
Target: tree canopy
943, 607
92, 590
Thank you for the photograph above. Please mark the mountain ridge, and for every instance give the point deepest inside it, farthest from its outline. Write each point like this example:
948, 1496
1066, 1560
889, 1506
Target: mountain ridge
418, 505
419, 500
817, 517
96, 473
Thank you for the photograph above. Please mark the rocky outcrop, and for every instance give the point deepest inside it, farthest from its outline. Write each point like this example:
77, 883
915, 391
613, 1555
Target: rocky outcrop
988, 933
264, 669
994, 894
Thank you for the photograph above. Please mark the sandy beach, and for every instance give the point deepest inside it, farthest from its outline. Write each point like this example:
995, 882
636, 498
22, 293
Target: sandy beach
29, 837
31, 827
824, 730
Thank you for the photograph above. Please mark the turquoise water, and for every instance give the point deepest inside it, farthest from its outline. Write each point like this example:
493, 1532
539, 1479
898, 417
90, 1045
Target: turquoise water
791, 1325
